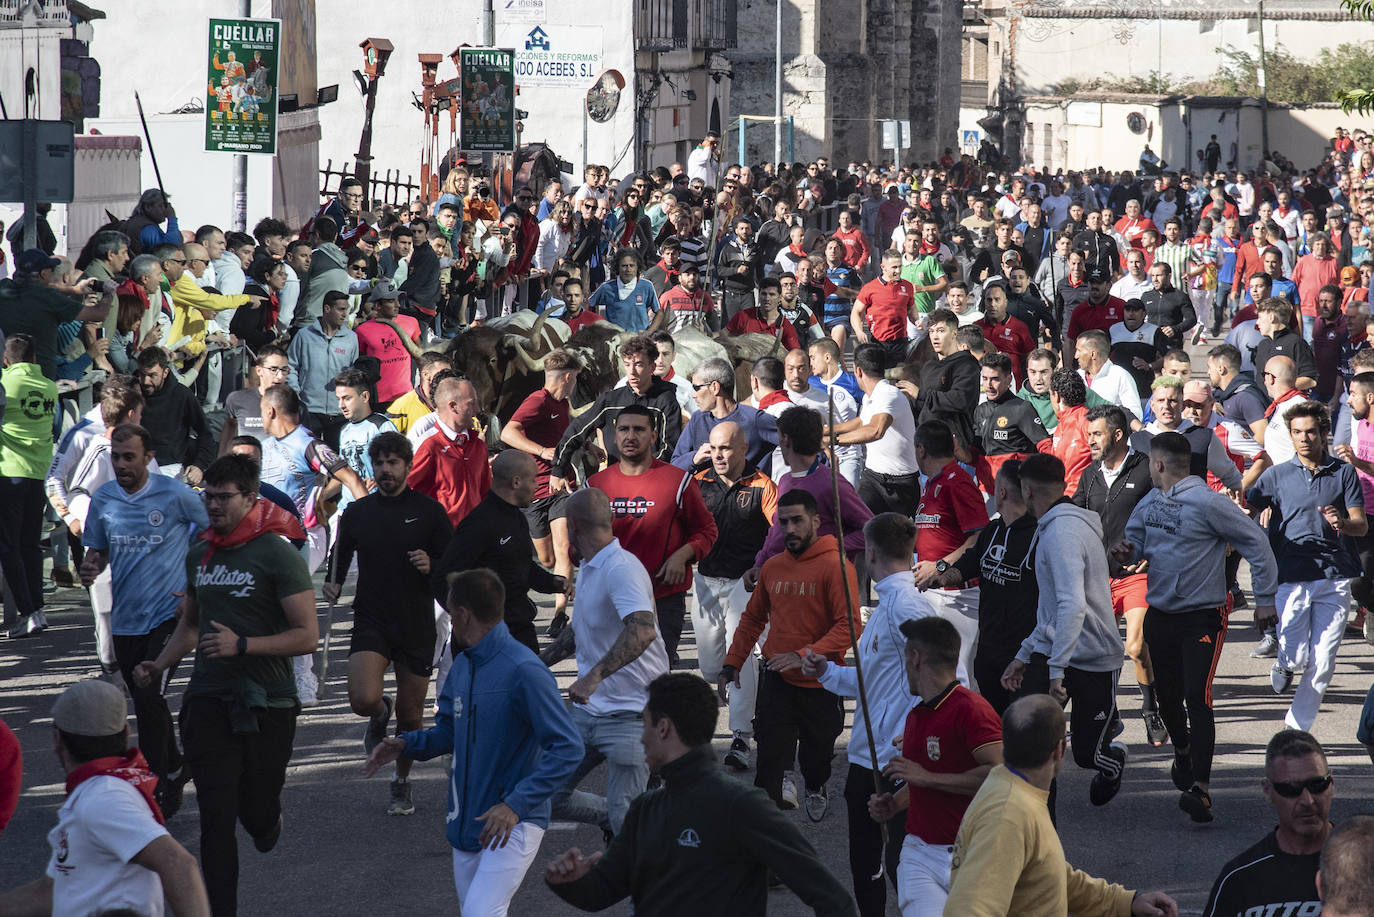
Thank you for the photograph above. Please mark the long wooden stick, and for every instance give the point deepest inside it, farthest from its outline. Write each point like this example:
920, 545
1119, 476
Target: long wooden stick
148, 138
849, 614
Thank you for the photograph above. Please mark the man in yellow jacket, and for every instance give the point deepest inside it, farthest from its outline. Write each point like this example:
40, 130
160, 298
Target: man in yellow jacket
191, 303
1007, 857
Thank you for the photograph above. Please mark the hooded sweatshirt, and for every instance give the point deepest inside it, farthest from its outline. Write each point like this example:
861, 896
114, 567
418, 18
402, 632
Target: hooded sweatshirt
315, 360
1074, 624
801, 601
328, 271
1183, 532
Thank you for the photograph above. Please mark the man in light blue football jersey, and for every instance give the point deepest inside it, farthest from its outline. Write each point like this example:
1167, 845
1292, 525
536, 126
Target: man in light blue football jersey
354, 393
141, 525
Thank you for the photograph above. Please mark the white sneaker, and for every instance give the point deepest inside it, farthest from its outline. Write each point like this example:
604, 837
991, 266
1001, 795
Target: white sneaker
37, 623
306, 686
789, 793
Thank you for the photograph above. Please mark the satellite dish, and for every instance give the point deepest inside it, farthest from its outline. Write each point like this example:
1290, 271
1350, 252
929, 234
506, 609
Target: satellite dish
604, 96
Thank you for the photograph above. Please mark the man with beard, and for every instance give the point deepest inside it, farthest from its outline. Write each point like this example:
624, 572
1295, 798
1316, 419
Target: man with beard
171, 414
396, 534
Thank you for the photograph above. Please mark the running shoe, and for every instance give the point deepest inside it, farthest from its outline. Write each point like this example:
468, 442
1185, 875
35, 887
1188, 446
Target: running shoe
1103, 789
1181, 772
269, 840
400, 803
1197, 803
560, 621
63, 577
563, 647
170, 791
817, 803
789, 793
1267, 648
376, 726
738, 755
306, 686
37, 623
1280, 678
1155, 731
1238, 599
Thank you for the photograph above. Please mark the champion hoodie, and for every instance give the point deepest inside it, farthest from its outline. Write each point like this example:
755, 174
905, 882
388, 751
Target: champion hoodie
1074, 624
1183, 532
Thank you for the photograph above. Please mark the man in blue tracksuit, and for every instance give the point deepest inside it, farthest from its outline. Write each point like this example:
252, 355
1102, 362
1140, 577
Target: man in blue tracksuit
513, 745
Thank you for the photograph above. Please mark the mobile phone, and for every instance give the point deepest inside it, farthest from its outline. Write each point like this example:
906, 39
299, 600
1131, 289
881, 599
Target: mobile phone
100, 333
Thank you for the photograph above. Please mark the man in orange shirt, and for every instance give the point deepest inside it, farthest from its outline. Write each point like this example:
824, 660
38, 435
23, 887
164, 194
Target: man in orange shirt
1069, 442
801, 599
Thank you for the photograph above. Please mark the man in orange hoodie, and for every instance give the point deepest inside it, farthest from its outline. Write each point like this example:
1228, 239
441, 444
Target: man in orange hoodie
801, 598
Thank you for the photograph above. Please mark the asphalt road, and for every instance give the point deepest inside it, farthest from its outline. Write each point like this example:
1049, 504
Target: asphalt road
340, 854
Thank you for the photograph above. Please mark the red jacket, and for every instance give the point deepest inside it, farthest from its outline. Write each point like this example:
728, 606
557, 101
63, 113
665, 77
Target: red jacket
748, 320
1069, 442
453, 471
1090, 315
1248, 262
856, 250
656, 513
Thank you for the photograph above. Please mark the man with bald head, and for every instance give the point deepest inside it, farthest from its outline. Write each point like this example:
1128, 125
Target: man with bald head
451, 465
193, 307
742, 500
496, 536
1281, 380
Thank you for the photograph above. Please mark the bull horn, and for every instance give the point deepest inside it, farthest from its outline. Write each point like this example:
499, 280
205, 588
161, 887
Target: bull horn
538, 326
522, 356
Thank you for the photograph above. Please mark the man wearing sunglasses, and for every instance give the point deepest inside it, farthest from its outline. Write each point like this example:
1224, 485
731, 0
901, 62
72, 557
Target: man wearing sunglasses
1278, 875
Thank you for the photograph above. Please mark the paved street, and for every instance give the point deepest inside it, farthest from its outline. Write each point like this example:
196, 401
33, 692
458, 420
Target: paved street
341, 855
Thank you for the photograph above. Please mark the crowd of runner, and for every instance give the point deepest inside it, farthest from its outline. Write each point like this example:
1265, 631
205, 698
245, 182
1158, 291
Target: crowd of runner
945, 462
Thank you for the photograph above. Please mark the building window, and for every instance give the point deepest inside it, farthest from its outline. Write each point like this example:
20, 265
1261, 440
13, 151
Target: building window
1048, 146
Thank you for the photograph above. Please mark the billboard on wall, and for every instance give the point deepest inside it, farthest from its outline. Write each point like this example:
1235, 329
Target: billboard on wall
487, 123
242, 73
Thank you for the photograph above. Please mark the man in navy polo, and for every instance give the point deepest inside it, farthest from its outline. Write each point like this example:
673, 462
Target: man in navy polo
1318, 508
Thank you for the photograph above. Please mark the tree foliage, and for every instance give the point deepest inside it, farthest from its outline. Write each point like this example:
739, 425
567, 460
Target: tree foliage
1358, 95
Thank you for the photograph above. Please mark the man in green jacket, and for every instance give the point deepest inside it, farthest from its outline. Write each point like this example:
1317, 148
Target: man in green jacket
1040, 365
704, 842
26, 448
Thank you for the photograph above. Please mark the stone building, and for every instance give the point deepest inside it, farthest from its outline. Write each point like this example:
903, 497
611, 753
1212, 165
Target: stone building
846, 67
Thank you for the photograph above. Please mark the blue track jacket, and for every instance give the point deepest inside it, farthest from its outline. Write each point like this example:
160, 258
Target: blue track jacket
512, 740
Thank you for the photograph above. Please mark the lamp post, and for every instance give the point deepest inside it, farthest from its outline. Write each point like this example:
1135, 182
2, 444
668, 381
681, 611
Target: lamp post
376, 51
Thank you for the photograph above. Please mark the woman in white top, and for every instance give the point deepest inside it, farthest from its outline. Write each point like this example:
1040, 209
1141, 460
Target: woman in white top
555, 234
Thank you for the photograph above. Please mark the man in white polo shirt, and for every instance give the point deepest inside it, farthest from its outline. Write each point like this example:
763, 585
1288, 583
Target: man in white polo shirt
886, 425
1092, 349
619, 651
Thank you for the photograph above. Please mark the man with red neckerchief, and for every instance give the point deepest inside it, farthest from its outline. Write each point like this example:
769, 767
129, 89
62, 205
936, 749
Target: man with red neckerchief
766, 317
110, 849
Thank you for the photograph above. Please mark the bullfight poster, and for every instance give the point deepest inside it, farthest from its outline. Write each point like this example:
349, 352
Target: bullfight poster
488, 117
242, 76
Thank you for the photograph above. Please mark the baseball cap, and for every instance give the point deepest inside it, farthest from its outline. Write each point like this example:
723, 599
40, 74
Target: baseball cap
1098, 275
1197, 388
90, 708
383, 290
33, 260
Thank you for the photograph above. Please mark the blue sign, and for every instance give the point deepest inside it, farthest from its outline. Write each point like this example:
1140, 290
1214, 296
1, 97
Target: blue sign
538, 40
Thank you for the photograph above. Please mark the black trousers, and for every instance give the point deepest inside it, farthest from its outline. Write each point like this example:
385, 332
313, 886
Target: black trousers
890, 493
1362, 586
672, 613
793, 723
239, 778
1185, 648
894, 352
988, 665
866, 849
1092, 712
21, 527
157, 738
524, 632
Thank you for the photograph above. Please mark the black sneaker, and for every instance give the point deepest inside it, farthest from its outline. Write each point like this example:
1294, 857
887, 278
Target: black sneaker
269, 840
377, 726
563, 647
170, 791
560, 621
1181, 772
1197, 803
738, 755
1155, 731
1103, 789
1238, 599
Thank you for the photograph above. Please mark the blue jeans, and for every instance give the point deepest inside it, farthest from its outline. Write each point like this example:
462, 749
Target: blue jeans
1309, 324
614, 739
1221, 308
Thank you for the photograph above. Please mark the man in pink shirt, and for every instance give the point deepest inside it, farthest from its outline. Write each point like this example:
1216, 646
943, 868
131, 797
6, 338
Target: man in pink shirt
391, 338
1313, 272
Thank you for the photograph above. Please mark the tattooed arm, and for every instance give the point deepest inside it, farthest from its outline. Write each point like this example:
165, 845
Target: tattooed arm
638, 632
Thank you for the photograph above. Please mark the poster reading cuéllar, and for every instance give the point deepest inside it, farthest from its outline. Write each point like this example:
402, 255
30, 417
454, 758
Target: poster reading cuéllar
241, 78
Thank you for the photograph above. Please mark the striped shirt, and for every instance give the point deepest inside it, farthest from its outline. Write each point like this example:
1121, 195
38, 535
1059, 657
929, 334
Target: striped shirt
1178, 256
693, 251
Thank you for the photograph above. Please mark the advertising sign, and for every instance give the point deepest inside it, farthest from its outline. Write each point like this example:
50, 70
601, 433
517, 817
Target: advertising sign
555, 55
487, 124
241, 77
520, 10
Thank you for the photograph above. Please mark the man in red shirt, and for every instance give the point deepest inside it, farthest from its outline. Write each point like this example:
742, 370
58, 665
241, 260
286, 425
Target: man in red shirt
953, 739
575, 312
766, 317
882, 308
1101, 310
537, 427
856, 250
688, 304
1313, 272
451, 465
393, 339
1249, 260
658, 515
948, 519
1006, 332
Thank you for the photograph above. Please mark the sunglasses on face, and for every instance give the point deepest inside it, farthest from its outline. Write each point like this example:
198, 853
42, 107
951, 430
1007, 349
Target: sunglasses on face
1316, 786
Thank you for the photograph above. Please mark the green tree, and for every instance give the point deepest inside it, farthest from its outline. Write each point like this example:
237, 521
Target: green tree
1360, 98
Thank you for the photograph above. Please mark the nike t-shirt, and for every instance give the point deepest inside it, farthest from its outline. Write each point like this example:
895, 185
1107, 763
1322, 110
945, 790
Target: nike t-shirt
544, 419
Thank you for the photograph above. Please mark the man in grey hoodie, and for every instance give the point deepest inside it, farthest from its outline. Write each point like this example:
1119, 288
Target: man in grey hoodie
318, 353
1075, 651
1178, 533
328, 271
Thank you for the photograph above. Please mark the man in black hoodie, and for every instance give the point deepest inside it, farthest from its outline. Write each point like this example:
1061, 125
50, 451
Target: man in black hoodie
181, 437
949, 383
422, 279
703, 843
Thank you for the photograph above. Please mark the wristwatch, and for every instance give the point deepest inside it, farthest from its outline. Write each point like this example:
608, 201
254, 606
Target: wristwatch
941, 565
243, 646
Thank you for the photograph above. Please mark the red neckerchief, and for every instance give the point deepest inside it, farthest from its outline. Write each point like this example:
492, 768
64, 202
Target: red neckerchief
672, 272
1286, 396
668, 377
132, 769
264, 516
796, 250
928, 249
273, 308
772, 398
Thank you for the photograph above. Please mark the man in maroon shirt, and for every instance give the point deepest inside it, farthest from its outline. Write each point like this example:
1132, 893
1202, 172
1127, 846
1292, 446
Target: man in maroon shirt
659, 516
766, 317
1100, 311
882, 308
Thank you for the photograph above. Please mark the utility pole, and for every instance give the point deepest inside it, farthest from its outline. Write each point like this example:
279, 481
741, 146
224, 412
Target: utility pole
489, 41
1264, 92
240, 183
777, 89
